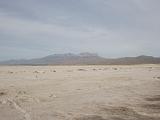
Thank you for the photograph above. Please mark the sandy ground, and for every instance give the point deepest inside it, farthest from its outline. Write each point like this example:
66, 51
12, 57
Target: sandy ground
80, 92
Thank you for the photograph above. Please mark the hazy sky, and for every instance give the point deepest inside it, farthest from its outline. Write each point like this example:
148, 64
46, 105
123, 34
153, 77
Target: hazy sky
111, 28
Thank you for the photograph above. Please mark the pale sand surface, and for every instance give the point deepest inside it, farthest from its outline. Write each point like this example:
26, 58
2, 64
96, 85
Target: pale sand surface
80, 92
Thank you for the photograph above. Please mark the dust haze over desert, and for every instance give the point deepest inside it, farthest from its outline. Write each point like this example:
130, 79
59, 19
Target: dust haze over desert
79, 60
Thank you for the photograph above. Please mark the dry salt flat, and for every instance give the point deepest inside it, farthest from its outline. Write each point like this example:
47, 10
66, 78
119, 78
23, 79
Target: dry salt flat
129, 92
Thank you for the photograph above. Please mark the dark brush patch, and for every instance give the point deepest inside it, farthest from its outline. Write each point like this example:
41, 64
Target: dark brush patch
124, 113
3, 92
82, 70
116, 113
90, 117
115, 68
154, 98
152, 106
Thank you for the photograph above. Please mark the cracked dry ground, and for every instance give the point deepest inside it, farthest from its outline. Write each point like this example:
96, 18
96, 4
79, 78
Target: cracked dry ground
80, 92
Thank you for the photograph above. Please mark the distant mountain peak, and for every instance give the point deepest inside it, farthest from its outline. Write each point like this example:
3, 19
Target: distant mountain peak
87, 54
66, 54
144, 56
84, 54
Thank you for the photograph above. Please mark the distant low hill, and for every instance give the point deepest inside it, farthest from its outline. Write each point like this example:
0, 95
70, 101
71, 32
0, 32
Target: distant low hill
83, 59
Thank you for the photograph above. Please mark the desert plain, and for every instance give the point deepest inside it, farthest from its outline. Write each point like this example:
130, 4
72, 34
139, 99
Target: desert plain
113, 92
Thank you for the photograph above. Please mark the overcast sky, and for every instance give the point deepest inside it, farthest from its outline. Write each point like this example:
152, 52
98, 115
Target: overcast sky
111, 28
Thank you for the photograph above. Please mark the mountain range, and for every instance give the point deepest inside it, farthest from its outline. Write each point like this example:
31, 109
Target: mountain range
83, 59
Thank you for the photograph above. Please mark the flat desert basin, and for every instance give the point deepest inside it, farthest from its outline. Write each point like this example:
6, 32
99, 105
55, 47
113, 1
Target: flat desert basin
114, 92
